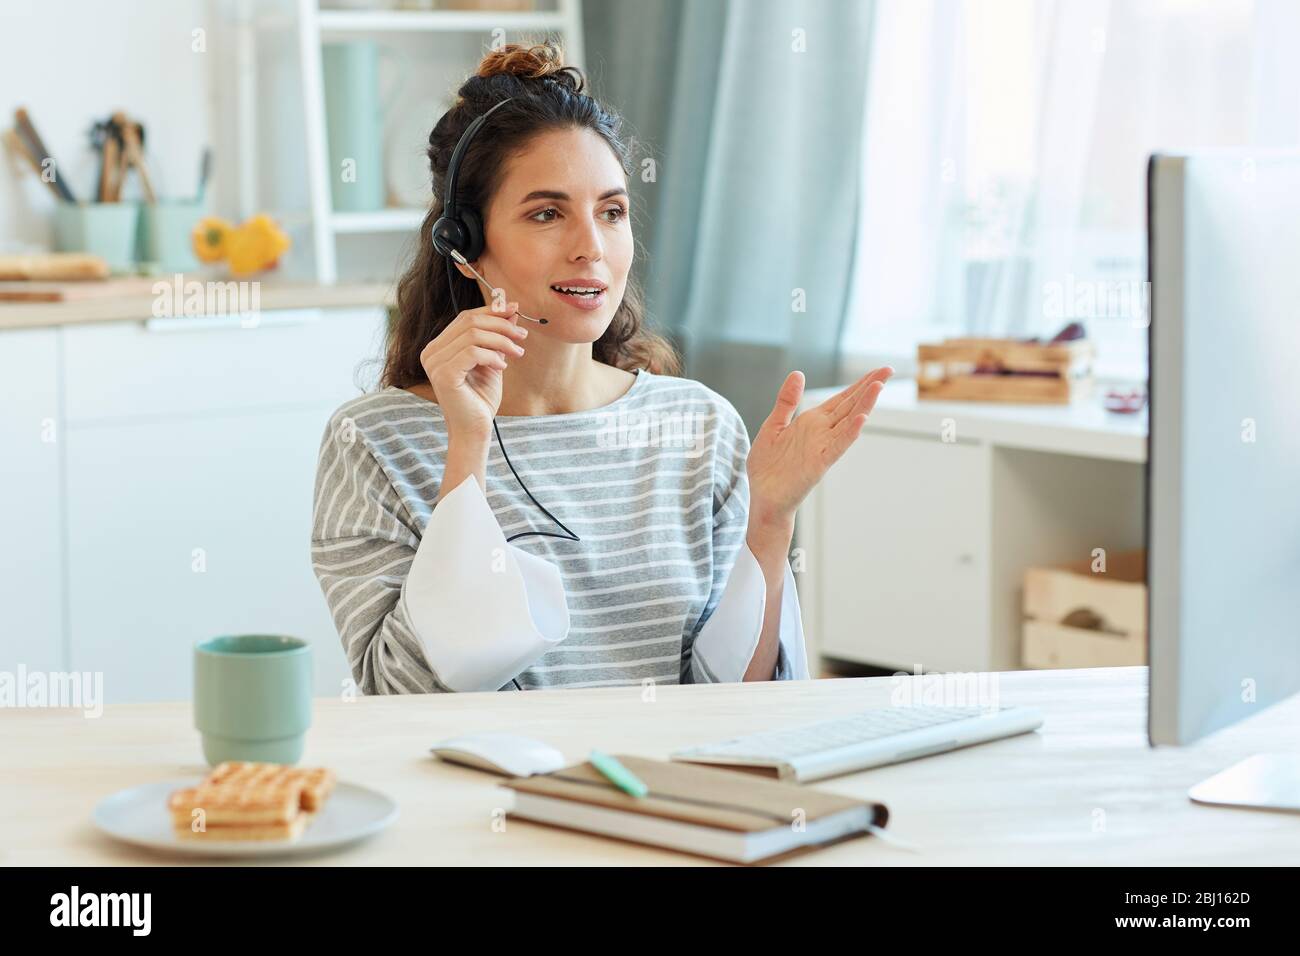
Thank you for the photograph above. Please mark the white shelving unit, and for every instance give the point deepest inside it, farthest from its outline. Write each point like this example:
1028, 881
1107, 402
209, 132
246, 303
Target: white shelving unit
382, 220
369, 21
315, 23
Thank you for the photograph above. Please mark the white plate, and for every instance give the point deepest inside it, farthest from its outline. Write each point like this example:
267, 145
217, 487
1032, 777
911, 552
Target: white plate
139, 816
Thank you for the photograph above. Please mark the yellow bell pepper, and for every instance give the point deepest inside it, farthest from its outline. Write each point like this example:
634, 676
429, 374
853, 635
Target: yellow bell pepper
255, 246
209, 238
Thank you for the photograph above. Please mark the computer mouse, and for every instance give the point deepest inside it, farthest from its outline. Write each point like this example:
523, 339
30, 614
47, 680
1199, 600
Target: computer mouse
509, 754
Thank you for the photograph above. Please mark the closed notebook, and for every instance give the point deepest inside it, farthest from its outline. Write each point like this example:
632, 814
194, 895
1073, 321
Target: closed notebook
724, 814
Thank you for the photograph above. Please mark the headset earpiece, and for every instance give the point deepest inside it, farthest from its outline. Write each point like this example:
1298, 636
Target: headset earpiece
448, 234
474, 238
464, 234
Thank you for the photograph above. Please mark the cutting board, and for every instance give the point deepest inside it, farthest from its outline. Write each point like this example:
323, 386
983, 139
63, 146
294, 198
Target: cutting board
76, 291
53, 267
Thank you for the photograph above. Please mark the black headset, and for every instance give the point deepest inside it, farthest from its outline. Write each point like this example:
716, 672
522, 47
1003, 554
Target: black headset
459, 231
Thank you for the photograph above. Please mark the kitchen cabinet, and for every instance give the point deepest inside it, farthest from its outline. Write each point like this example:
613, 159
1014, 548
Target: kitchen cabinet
190, 527
903, 566
175, 502
31, 446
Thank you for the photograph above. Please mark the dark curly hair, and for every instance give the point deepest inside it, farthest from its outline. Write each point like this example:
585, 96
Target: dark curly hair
547, 96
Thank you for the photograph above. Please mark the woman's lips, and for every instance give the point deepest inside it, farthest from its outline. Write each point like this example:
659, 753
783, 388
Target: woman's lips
588, 303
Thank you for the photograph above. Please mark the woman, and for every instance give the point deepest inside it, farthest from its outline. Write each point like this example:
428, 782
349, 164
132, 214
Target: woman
676, 567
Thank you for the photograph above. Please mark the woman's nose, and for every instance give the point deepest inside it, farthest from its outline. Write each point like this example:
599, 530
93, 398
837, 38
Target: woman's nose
586, 242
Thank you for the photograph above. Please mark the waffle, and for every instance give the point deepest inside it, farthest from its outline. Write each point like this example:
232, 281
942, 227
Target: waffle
248, 832
316, 782
251, 801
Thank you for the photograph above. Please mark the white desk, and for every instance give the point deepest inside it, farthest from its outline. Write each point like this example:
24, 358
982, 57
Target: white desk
914, 546
1084, 428
1084, 789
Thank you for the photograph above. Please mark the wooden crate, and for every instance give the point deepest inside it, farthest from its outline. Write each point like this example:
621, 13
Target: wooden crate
1116, 603
1063, 372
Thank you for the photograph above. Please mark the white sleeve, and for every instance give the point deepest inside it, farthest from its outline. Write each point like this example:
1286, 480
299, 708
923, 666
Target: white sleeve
484, 610
732, 622
454, 609
726, 643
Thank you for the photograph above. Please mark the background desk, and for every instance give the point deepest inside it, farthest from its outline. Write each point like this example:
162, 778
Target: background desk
1084, 789
914, 546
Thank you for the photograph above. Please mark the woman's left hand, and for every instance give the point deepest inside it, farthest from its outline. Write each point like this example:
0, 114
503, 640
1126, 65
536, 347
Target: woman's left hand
791, 453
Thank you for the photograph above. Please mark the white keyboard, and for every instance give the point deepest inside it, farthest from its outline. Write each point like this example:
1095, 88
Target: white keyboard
872, 738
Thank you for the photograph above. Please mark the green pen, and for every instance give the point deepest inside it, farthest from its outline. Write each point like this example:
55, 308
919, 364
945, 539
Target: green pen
618, 775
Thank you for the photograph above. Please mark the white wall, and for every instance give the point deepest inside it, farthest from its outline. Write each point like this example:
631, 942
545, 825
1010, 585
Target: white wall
71, 62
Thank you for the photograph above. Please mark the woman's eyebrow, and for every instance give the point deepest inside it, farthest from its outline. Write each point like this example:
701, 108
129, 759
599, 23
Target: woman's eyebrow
556, 194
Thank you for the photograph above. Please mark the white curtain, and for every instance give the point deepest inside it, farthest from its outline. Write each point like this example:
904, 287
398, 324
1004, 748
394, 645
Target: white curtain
752, 256
1070, 51
1005, 148
908, 258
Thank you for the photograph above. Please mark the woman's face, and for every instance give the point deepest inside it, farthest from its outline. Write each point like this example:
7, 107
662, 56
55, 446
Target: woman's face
560, 218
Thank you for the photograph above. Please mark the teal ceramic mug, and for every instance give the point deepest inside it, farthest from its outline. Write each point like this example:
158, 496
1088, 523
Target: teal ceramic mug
252, 697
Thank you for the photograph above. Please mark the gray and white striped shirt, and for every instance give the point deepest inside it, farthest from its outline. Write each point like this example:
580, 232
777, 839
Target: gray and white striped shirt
654, 484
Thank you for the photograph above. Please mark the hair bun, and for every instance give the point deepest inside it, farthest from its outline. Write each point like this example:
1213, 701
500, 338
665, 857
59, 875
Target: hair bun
531, 61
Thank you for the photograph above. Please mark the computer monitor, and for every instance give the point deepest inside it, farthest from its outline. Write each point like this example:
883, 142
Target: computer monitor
1223, 471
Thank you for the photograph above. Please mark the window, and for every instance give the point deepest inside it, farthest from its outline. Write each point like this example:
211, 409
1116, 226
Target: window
1005, 151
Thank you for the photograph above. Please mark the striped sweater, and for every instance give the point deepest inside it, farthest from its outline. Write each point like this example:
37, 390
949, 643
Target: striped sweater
432, 598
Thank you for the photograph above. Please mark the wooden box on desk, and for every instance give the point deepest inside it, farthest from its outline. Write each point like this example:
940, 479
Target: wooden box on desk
982, 370
1078, 617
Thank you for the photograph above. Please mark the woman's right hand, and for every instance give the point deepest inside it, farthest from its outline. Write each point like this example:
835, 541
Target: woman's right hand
464, 363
